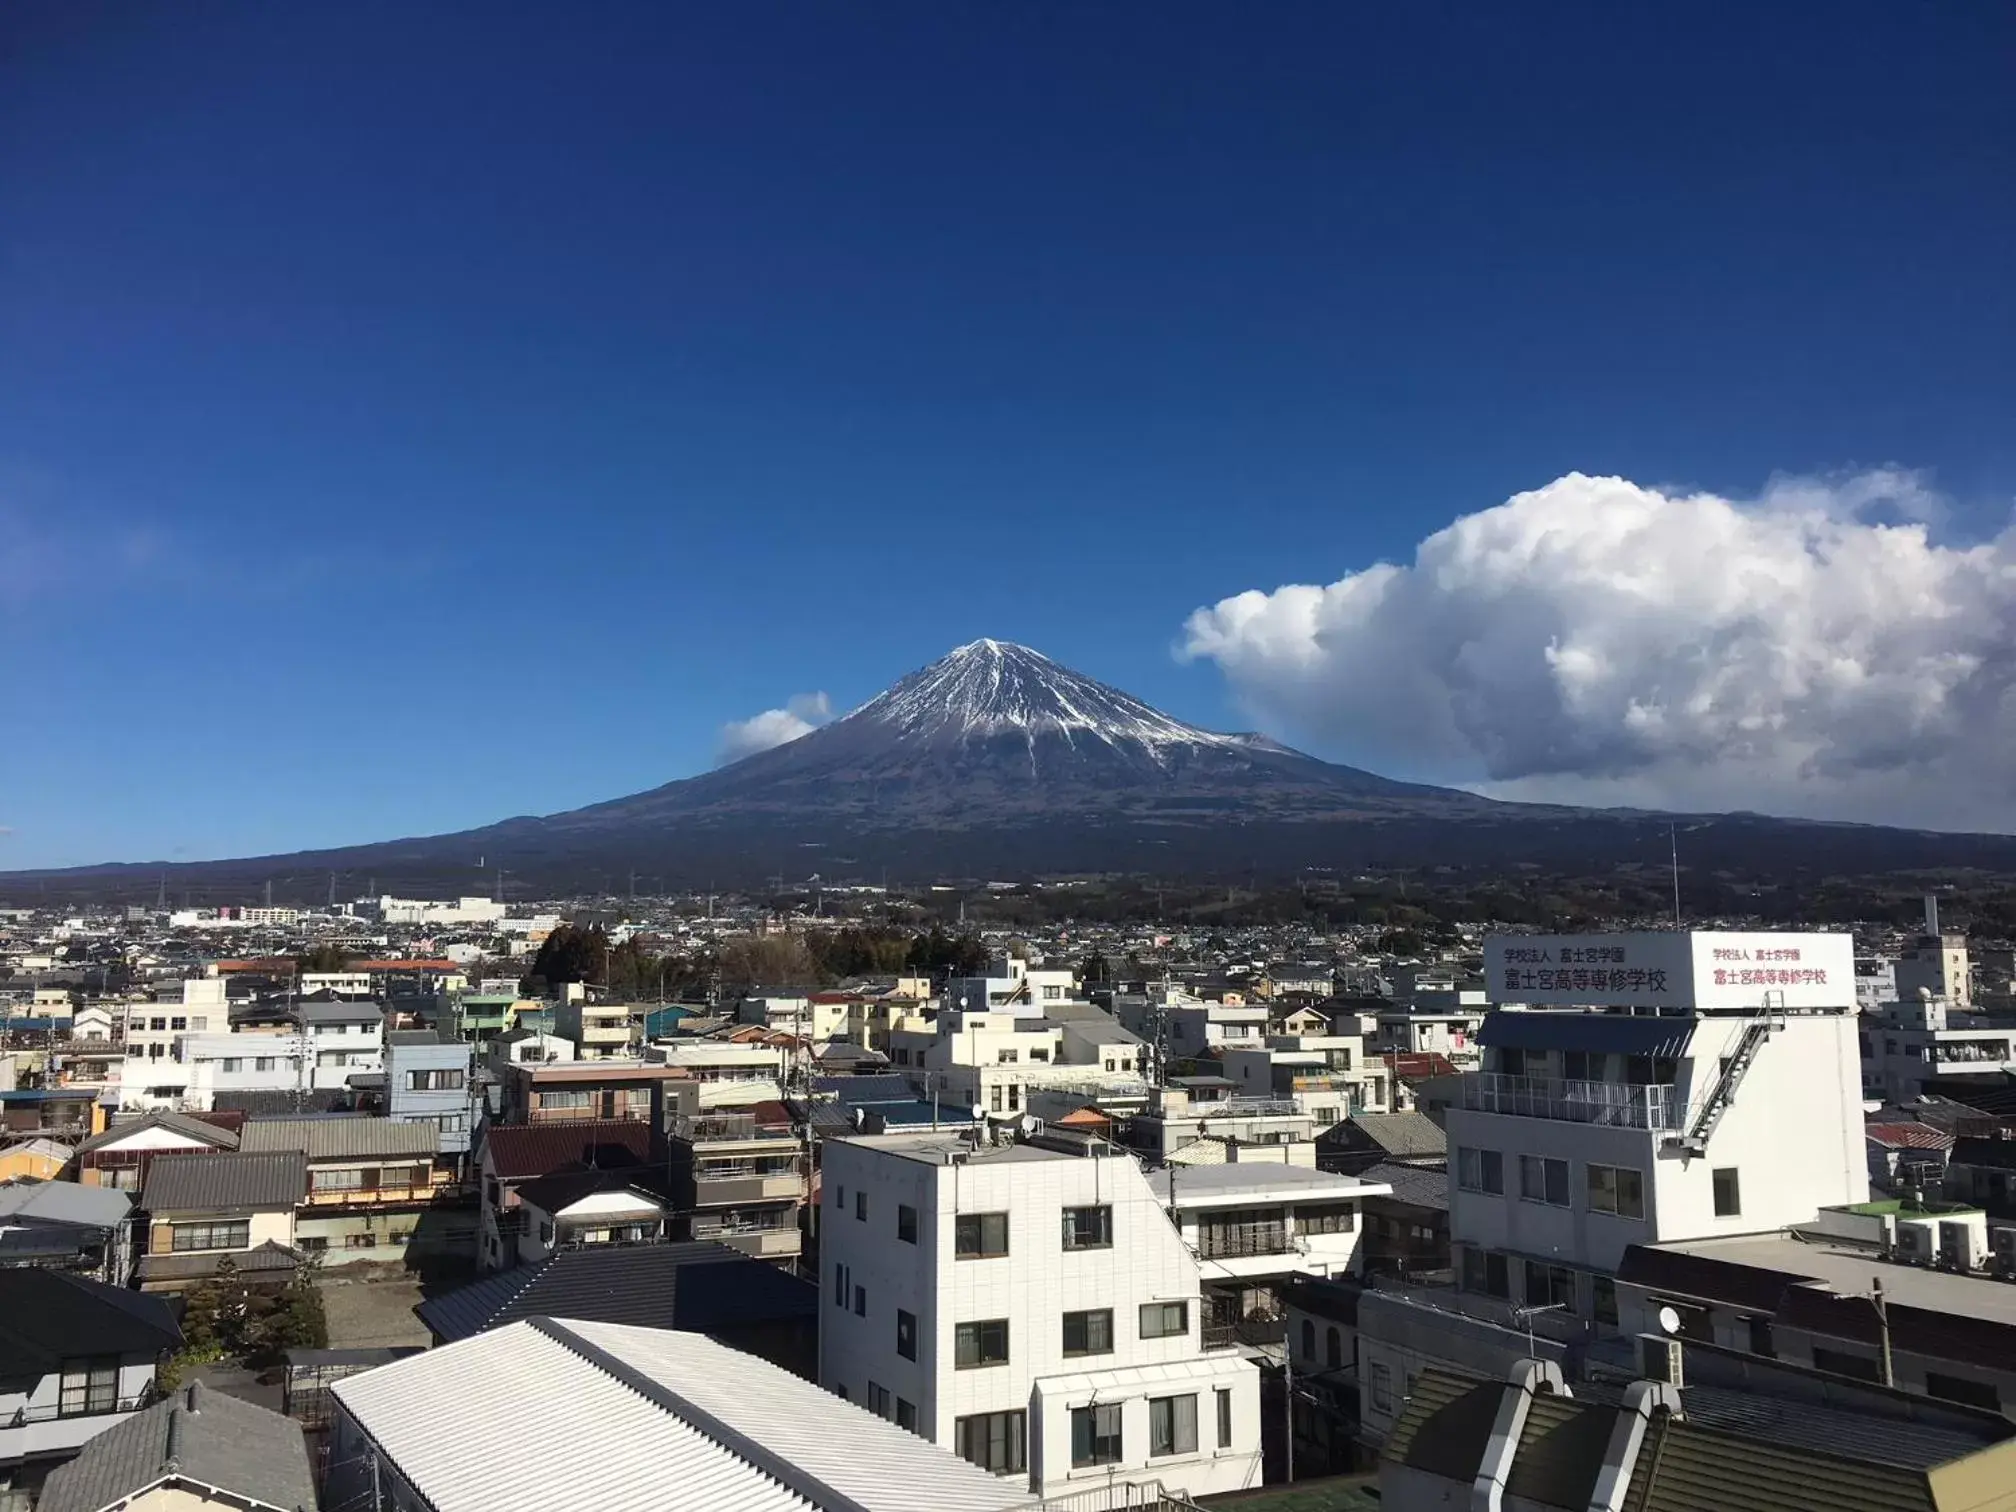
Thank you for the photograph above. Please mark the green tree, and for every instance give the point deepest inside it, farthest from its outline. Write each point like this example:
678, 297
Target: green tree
323, 958
292, 1319
571, 955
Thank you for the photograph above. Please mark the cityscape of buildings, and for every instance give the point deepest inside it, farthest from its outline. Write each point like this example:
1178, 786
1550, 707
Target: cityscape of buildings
1110, 1216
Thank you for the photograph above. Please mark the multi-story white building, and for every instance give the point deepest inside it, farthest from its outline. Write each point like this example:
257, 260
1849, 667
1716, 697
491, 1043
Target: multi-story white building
198, 1007
1904, 1043
1035, 1311
1190, 1027
996, 1058
1211, 1108
729, 1073
1936, 963
1324, 1075
1715, 1088
202, 1065
348, 1039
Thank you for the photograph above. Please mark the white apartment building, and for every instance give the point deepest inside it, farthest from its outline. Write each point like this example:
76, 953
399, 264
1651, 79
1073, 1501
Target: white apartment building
1011, 982
730, 1074
203, 1065
392, 910
1903, 1043
996, 1059
152, 1028
1194, 1109
1449, 1030
1324, 1075
1034, 1311
1192, 1027
1660, 1087
343, 984
348, 1039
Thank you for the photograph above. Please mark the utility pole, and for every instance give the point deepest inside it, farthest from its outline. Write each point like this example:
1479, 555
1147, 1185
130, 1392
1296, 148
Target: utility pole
1882, 1328
1288, 1399
1673, 840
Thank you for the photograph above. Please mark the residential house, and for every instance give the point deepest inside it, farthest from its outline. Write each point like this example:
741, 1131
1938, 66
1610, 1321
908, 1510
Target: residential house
203, 1209
202, 1065
198, 1448
1320, 1320
727, 1072
742, 1175
698, 1287
572, 1210
1253, 1224
1324, 1075
1981, 1169
1407, 1228
1908, 1043
1369, 1139
626, 1416
375, 1186
600, 1031
64, 1226
1906, 1155
118, 1157
512, 1155
1195, 1108
574, 1091
346, 1038
428, 1081
77, 1358
1033, 1310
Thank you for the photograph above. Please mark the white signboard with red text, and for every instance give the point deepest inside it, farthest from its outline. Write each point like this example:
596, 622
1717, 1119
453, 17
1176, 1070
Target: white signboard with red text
1672, 970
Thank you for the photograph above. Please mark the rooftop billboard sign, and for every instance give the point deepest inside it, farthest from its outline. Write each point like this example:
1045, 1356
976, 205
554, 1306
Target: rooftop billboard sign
1698, 969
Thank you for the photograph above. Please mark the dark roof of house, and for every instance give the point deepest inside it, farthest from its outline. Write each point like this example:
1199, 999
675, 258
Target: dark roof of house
176, 1123
850, 1091
1417, 1186
697, 1288
342, 1011
1403, 1135
1992, 1154
1747, 1286
47, 1316
1326, 1299
267, 1259
519, 1151
254, 1455
273, 1104
555, 1193
225, 1183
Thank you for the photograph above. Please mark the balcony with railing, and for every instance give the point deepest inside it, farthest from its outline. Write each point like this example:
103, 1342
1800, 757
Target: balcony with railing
1621, 1105
28, 1432
759, 1240
721, 1126
765, 1178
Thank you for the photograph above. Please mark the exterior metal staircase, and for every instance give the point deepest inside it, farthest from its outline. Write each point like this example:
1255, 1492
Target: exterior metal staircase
1709, 1114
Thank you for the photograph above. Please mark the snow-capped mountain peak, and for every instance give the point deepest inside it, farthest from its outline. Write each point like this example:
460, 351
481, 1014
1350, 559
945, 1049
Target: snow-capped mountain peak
988, 688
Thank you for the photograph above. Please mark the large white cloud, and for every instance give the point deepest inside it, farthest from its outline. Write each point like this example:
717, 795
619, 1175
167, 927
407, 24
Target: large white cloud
773, 727
1814, 651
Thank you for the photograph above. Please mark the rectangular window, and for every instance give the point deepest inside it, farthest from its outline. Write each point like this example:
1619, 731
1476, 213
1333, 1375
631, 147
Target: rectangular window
839, 1284
1164, 1320
1382, 1387
861, 1206
1543, 1180
1728, 1193
1088, 1228
975, 1345
1617, 1189
906, 1224
1576, 1065
980, 1236
1484, 1272
1089, 1333
351, 1180
231, 1065
212, 1236
860, 1301
1224, 1417
178, 1023
1095, 1435
1550, 1286
1480, 1170
1331, 1218
906, 1334
433, 1081
1948, 1388
1603, 1299
89, 1386
262, 1063
878, 1400
1172, 1425
906, 1414
997, 1441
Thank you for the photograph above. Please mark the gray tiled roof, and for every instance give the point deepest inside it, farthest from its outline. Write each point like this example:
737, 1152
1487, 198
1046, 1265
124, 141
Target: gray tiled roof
179, 1123
268, 1259
1417, 1186
225, 1183
1401, 1134
340, 1137
195, 1436
64, 1202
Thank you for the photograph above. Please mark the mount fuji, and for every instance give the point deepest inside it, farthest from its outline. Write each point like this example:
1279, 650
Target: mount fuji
996, 761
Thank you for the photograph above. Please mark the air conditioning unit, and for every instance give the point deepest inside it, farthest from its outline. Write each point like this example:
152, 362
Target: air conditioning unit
2002, 1245
1916, 1244
1962, 1246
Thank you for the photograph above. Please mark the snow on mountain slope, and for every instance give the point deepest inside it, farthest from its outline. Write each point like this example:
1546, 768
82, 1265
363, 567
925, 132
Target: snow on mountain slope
988, 688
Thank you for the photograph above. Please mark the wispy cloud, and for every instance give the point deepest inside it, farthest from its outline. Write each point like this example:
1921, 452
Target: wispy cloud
799, 717
1814, 650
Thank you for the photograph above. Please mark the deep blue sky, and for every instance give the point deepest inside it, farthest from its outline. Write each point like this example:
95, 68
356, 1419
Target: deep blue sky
416, 414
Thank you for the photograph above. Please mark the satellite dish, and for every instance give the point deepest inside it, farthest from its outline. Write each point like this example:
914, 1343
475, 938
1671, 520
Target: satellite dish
1669, 1321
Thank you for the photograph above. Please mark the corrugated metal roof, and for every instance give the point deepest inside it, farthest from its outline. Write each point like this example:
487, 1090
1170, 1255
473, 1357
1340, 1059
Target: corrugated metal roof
634, 1418
1596, 1033
340, 1138
224, 1183
64, 1202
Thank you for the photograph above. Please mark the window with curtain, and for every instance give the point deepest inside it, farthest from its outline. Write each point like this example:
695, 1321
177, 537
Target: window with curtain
1095, 1435
1172, 1425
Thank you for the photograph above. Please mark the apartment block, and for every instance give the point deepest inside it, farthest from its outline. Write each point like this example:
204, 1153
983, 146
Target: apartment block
1035, 1311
